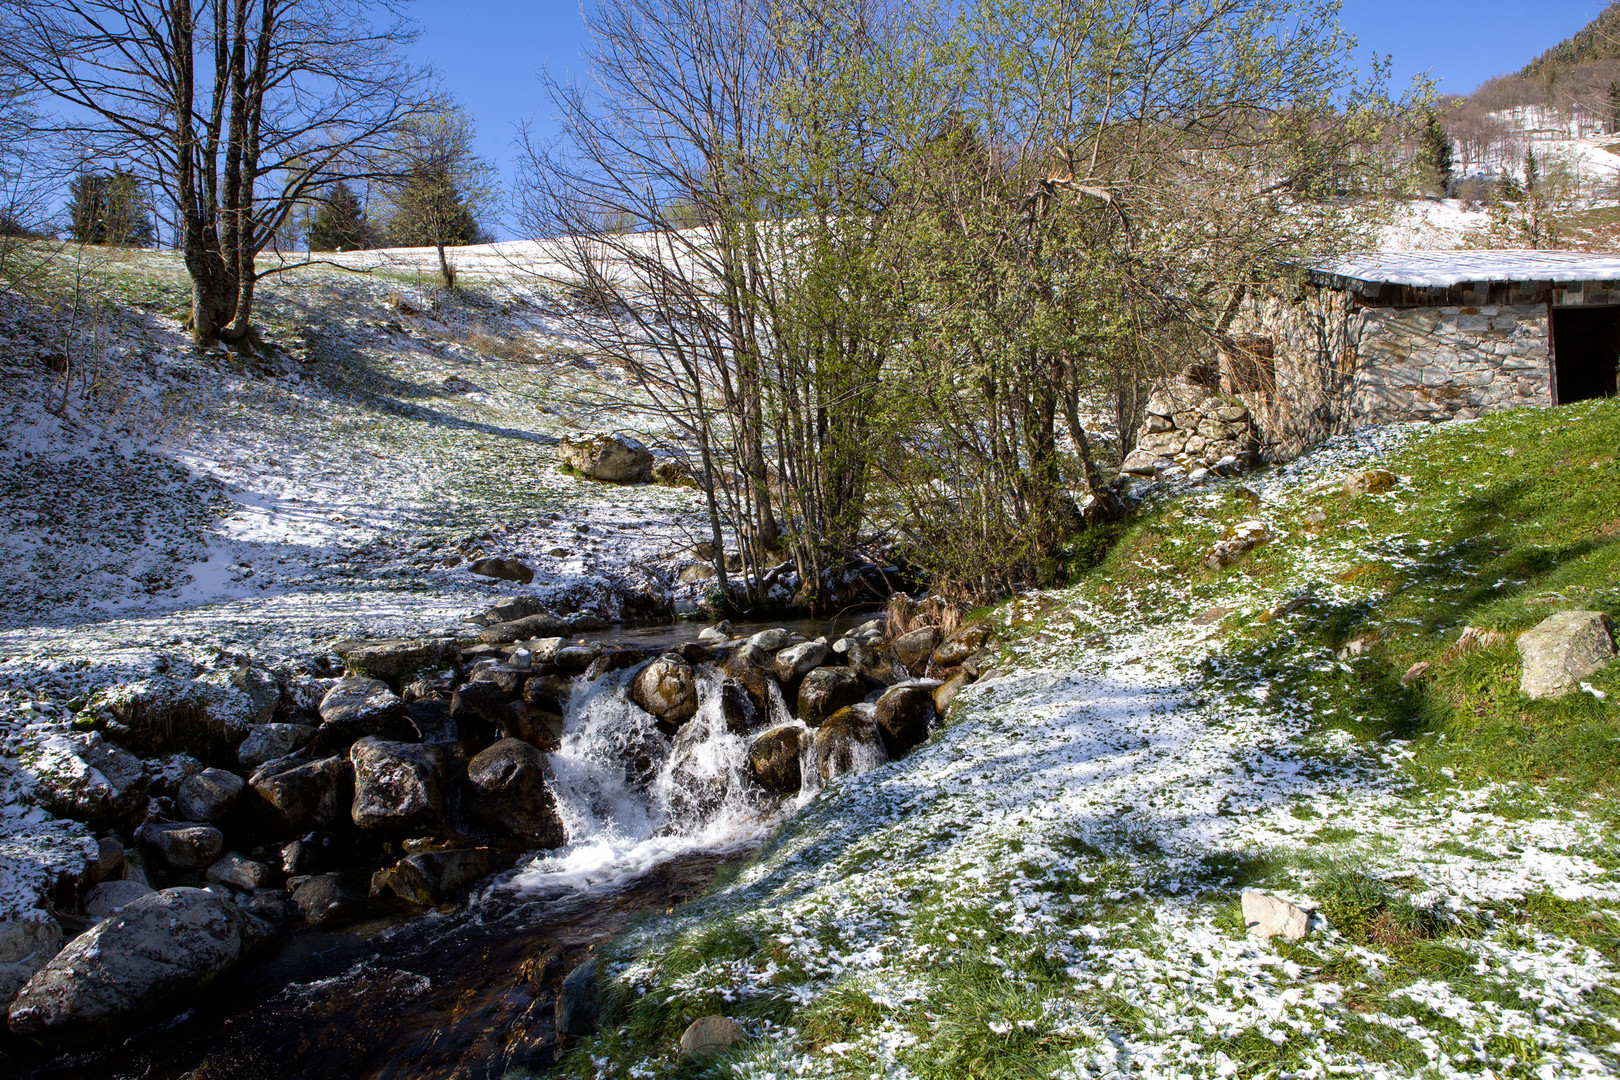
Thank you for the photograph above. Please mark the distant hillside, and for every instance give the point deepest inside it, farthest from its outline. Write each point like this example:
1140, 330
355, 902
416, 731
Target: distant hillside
1597, 40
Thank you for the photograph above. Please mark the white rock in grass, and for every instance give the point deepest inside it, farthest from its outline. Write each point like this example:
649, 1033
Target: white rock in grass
1563, 649
710, 1035
1268, 916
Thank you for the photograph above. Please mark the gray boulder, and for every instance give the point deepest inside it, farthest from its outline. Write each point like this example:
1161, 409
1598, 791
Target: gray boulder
396, 785
904, 715
667, 688
397, 657
262, 690
1563, 649
157, 946
873, 663
541, 625
209, 795
961, 645
711, 1035
328, 900
244, 874
509, 793
752, 667
299, 796
771, 641
27, 944
356, 707
773, 758
618, 459
478, 702
915, 649
826, 690
266, 742
109, 896
540, 727
184, 845
502, 570
796, 661
86, 778
579, 1005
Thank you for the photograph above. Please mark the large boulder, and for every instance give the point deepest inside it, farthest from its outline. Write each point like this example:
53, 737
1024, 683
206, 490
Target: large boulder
266, 742
328, 900
183, 845
541, 727
301, 795
771, 641
873, 663
262, 691
510, 793
826, 690
357, 707
711, 1035
915, 649
752, 667
478, 703
396, 785
246, 875
110, 896
155, 947
396, 657
541, 625
579, 1005
849, 742
602, 456
774, 755
429, 876
796, 661
904, 715
165, 713
667, 688
86, 778
27, 944
961, 645
209, 795
1563, 649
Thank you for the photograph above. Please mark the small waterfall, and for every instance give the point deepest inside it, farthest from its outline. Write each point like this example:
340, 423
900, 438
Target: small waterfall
630, 796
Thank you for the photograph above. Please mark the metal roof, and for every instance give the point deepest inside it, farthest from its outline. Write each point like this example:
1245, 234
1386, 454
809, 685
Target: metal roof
1443, 269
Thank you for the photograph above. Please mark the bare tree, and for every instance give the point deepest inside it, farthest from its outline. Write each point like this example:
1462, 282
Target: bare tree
236, 110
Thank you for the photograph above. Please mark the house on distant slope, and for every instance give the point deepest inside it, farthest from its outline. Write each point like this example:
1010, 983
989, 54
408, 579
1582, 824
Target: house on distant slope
1417, 335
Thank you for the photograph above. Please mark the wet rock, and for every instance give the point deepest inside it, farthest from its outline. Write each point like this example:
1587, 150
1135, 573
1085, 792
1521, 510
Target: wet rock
826, 690
579, 1003
615, 660
209, 795
578, 657
184, 845
1371, 482
542, 625
86, 778
1563, 649
302, 795
510, 793
796, 661
773, 758
109, 896
478, 703
667, 688
108, 862
396, 784
904, 715
771, 641
357, 707
711, 1035
550, 692
539, 727
873, 663
156, 947
752, 667
946, 692
262, 691
271, 905
719, 632
502, 570
1267, 916
509, 678
244, 874
737, 710
961, 645
849, 742
397, 657
328, 900
915, 649
600, 455
427, 877
430, 719
266, 742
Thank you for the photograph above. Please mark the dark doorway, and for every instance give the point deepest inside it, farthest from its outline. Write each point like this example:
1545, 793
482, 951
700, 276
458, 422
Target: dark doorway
1586, 349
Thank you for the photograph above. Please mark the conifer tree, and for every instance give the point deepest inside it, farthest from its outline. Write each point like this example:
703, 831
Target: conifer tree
340, 223
1436, 167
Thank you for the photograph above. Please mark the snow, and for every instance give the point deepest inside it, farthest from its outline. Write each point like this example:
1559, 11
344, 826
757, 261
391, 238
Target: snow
1445, 268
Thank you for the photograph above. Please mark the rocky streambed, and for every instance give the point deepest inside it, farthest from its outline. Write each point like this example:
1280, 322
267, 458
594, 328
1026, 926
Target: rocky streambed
402, 849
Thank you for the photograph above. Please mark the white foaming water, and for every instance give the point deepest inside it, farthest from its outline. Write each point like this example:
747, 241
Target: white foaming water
631, 797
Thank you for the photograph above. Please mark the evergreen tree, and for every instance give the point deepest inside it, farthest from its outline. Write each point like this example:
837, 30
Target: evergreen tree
1614, 108
109, 208
340, 224
442, 186
1436, 169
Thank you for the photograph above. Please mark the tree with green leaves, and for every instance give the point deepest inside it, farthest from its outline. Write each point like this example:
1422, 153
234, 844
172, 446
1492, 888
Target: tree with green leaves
1435, 165
339, 222
109, 208
439, 187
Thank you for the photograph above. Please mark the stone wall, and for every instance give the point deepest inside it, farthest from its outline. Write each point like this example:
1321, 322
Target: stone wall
1315, 362
1191, 425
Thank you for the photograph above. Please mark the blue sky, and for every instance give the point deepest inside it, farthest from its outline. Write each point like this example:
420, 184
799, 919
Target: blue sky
490, 51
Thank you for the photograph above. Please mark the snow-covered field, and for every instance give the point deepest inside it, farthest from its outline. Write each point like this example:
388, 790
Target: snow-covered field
1050, 888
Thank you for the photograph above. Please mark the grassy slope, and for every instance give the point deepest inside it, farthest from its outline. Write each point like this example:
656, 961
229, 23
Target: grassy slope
1050, 887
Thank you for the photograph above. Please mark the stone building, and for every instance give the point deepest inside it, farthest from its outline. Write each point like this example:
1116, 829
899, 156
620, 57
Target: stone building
1417, 335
